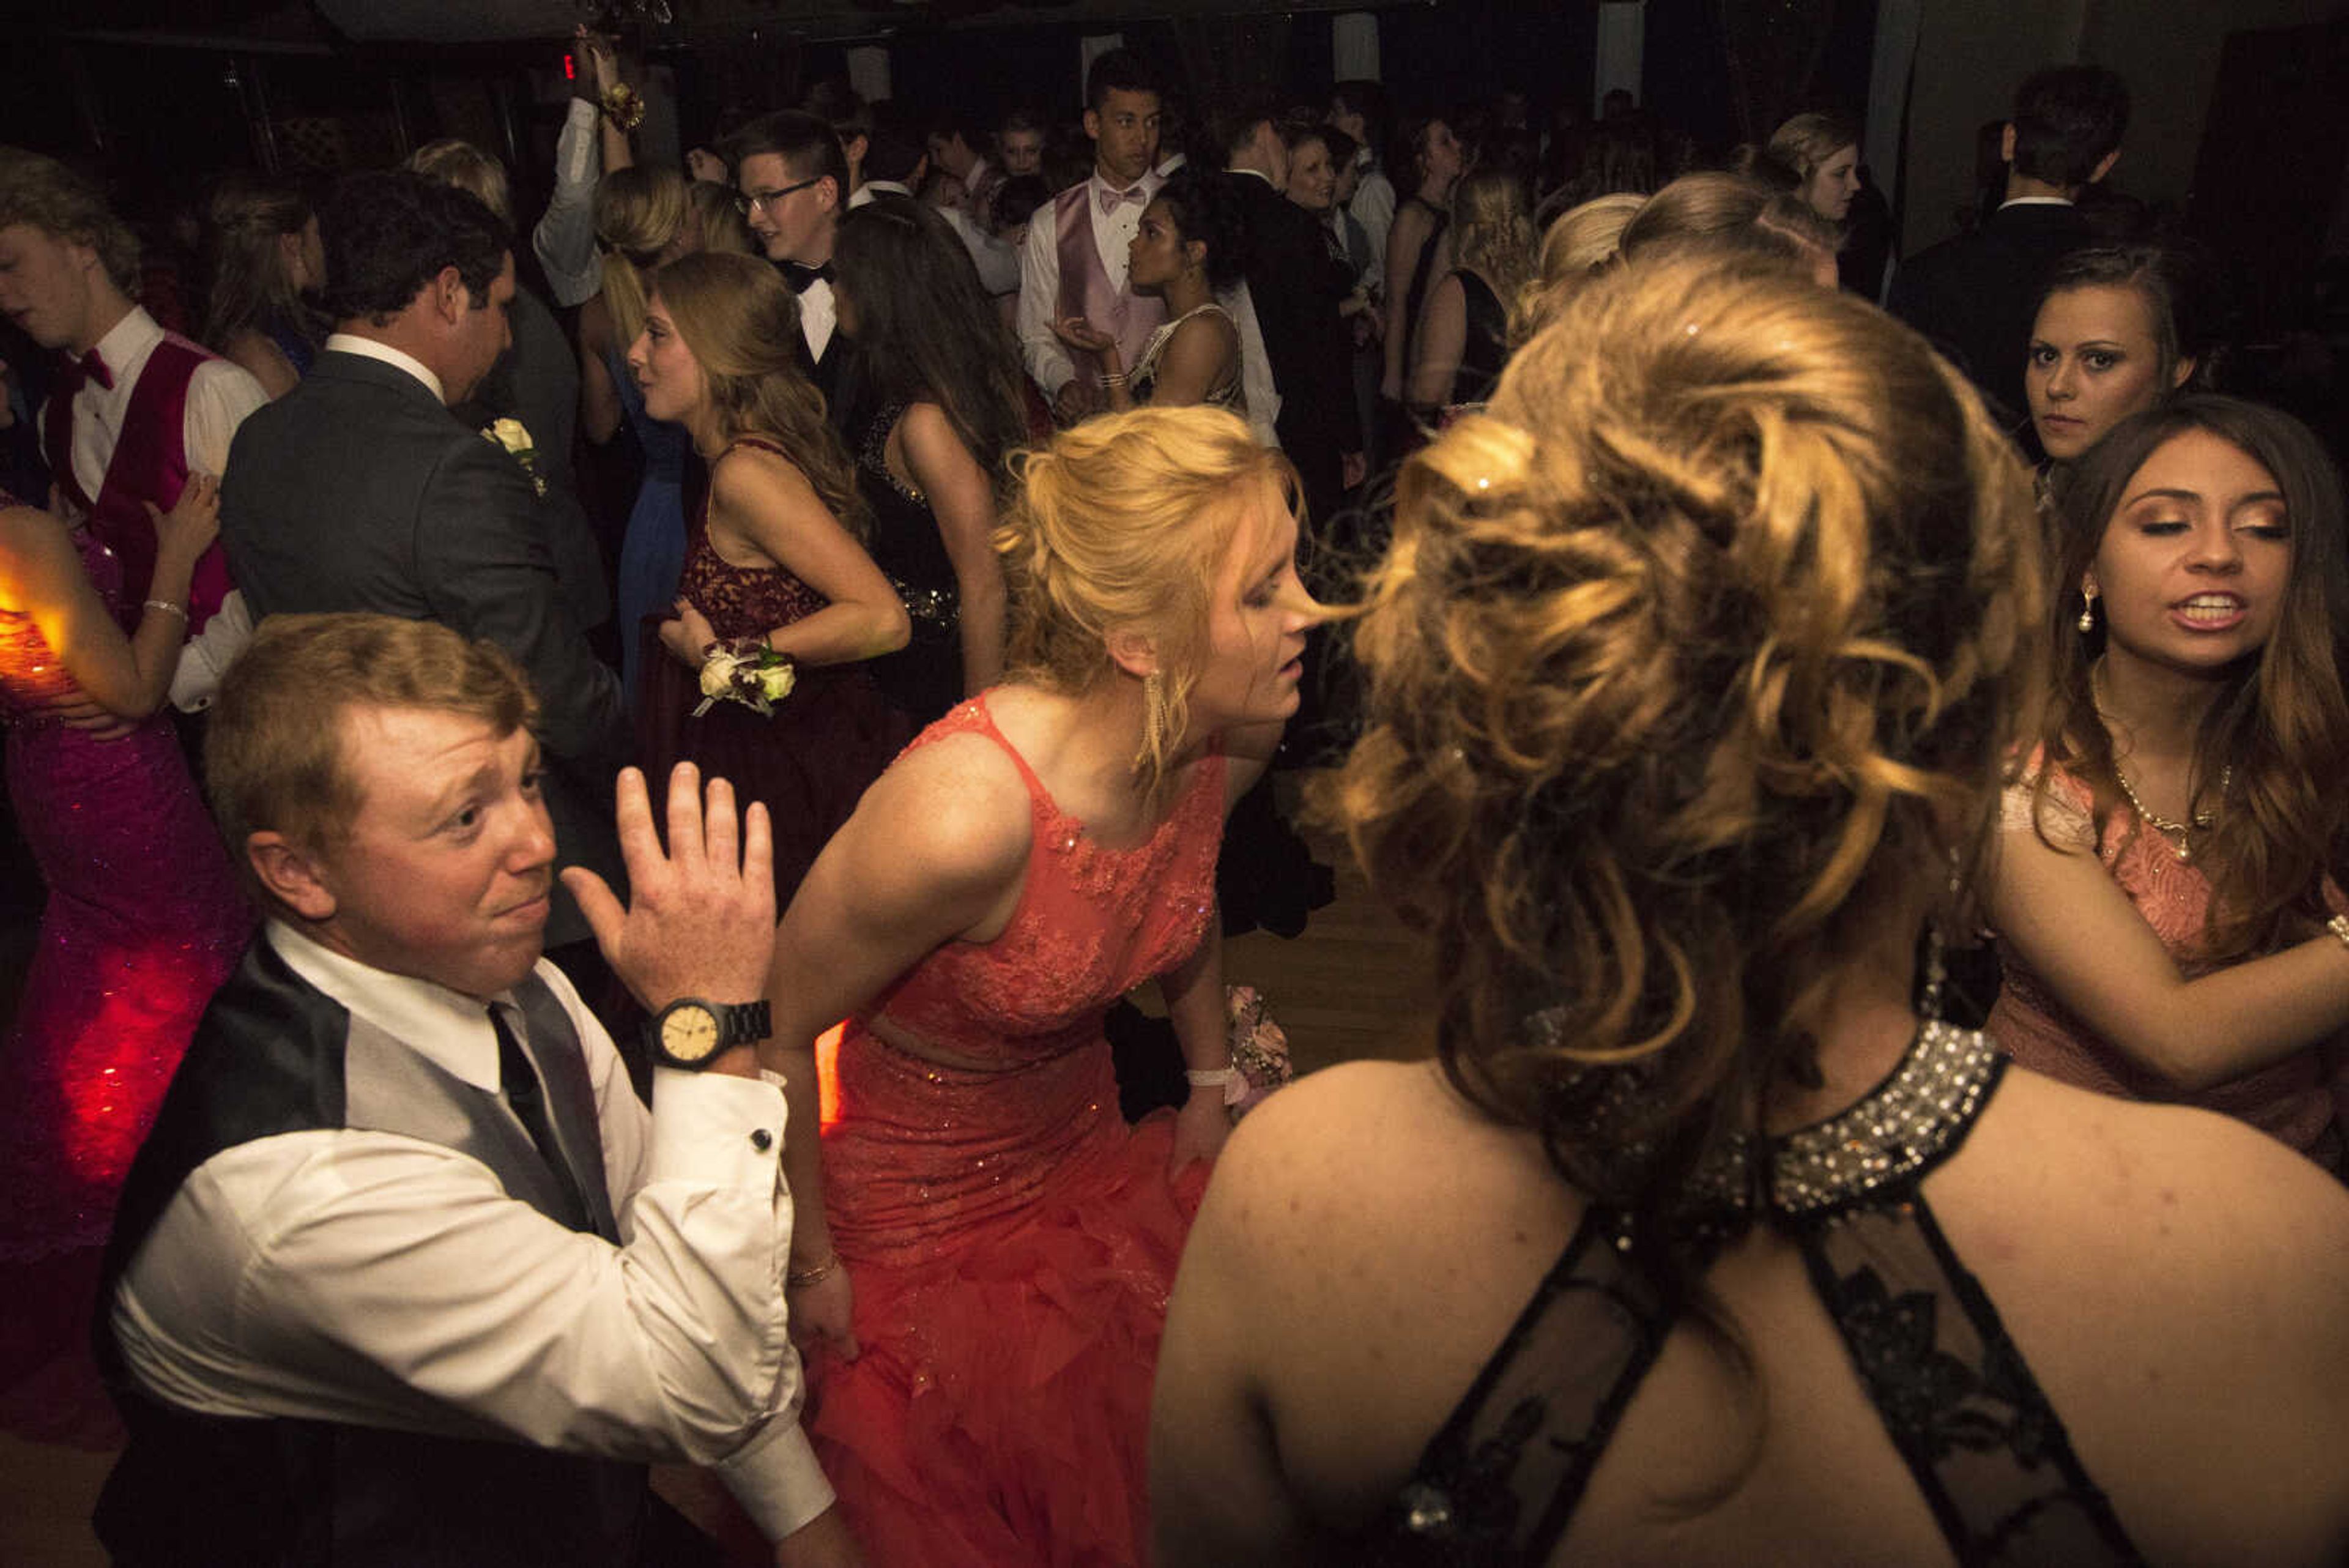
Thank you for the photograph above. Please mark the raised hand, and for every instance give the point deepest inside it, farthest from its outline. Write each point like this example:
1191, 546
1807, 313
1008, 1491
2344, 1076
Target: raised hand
1079, 332
702, 917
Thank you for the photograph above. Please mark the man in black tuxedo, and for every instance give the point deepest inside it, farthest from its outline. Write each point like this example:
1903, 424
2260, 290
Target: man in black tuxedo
793, 184
360, 491
1297, 287
1975, 295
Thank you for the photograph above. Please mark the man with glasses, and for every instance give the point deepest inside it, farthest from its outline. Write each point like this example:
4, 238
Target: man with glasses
792, 181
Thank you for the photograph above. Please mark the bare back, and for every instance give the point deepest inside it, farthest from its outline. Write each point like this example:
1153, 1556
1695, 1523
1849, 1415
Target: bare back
2171, 1282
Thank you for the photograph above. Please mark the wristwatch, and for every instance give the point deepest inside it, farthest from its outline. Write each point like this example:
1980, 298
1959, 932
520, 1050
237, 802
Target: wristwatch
689, 1033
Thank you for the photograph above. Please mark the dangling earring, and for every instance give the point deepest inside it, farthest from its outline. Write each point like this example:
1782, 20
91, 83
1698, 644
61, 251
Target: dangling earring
1157, 718
2087, 622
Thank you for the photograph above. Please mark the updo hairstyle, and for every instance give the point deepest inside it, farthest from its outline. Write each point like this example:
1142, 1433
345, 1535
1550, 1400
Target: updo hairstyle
1723, 213
1205, 208
1582, 239
1119, 524
1704, 639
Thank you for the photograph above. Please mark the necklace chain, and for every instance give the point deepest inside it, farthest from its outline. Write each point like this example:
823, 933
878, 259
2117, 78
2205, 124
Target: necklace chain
2178, 832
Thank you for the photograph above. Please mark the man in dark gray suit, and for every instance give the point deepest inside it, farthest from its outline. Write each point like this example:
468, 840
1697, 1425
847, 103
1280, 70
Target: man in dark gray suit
360, 491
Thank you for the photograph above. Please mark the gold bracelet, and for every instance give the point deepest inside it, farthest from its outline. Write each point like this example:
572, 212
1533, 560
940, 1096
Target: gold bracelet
2339, 926
794, 1278
167, 607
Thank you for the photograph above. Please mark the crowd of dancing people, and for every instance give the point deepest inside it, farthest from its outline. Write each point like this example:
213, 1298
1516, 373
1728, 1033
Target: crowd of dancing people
711, 701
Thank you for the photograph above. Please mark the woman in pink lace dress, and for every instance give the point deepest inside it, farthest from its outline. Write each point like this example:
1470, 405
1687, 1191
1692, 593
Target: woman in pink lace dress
2170, 861
981, 1263
142, 922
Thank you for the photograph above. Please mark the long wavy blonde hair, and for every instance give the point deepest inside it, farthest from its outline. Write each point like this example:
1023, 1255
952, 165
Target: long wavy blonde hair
1119, 524
742, 323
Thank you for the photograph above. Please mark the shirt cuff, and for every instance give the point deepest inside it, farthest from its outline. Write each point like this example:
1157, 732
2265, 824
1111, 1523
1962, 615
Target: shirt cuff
714, 1130
776, 1479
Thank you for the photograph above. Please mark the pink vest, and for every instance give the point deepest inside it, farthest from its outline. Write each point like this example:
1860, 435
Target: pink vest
1085, 288
149, 464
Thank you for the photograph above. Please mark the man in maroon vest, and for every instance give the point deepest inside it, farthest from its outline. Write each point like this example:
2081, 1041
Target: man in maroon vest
1074, 263
135, 408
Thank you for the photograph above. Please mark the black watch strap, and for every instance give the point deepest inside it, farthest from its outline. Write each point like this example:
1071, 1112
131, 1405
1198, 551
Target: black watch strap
689, 1033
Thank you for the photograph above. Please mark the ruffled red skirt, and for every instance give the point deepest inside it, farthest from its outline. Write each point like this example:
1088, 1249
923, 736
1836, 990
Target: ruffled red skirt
1012, 1243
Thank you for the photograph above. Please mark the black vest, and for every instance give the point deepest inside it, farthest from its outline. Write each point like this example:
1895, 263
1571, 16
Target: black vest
274, 1055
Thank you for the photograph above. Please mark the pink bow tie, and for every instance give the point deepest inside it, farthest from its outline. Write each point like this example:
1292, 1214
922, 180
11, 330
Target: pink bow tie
1111, 200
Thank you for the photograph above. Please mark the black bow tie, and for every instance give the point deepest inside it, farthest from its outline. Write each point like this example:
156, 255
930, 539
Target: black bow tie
800, 276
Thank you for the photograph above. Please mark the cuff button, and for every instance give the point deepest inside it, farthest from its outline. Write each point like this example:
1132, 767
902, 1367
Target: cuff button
763, 1141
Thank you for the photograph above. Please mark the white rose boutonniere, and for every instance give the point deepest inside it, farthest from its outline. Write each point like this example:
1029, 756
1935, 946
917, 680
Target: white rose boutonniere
513, 438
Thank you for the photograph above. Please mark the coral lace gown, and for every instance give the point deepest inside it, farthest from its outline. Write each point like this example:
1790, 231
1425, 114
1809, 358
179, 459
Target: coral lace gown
1011, 1240
143, 921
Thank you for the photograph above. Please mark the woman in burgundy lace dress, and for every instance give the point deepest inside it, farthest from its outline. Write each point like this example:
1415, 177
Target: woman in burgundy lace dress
774, 560
143, 921
982, 1391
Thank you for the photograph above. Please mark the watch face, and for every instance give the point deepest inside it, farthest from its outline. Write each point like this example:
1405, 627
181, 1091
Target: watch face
688, 1032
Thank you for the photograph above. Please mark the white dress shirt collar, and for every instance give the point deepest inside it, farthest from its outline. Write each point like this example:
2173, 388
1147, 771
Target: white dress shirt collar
1257, 173
370, 348
445, 1027
1094, 185
127, 343
2037, 202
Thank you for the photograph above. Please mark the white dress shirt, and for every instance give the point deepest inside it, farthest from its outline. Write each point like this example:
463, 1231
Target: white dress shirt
379, 1280
1373, 206
819, 314
996, 260
1039, 271
219, 397
566, 237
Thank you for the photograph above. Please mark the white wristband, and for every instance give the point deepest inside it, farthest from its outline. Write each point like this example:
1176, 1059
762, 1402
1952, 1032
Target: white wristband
1234, 1082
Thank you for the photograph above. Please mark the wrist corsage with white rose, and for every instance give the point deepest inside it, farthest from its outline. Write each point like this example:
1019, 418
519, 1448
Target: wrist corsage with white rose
747, 671
512, 437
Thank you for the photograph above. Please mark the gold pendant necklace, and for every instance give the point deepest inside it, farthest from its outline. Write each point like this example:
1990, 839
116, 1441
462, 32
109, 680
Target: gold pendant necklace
2178, 833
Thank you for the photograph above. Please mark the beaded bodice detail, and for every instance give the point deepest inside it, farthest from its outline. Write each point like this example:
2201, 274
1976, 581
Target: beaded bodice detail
741, 601
1143, 379
1091, 923
1499, 1482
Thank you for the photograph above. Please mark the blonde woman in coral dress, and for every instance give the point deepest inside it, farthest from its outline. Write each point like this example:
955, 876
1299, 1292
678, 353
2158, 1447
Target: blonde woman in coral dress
981, 1263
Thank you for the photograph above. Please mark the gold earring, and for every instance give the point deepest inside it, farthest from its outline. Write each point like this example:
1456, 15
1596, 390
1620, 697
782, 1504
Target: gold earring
1157, 716
2087, 610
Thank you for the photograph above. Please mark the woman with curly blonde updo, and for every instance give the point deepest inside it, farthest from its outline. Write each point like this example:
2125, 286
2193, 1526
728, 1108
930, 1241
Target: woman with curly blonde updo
983, 1391
1693, 668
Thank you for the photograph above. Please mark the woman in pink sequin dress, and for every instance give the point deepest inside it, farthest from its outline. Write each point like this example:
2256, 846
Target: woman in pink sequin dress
774, 560
981, 1261
142, 922
2173, 853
